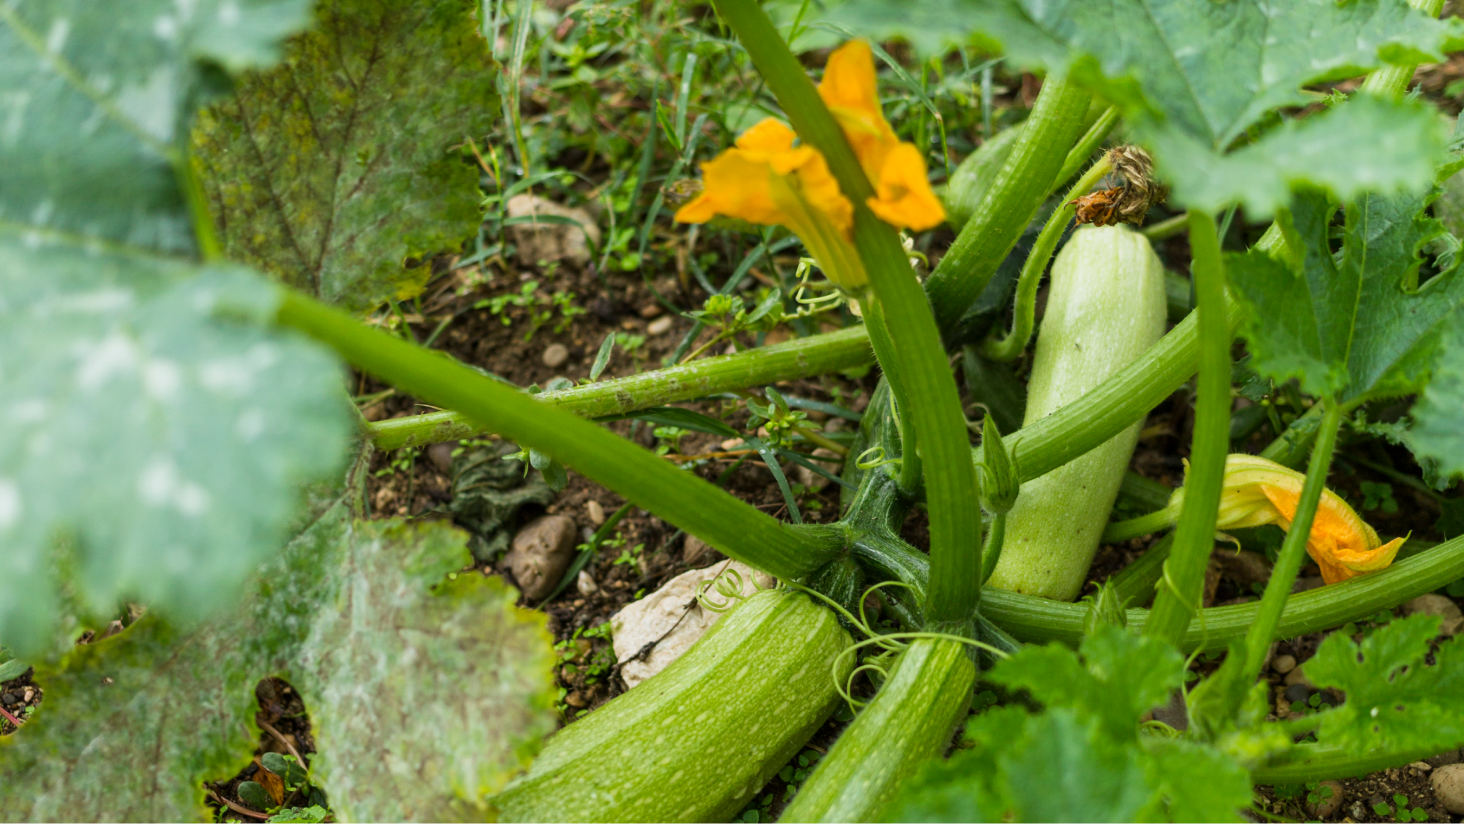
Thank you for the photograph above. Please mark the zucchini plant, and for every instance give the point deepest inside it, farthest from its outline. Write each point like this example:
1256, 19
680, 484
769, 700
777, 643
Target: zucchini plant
204, 203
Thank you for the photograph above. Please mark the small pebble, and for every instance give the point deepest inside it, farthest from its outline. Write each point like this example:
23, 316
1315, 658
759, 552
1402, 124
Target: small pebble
585, 583
555, 355
1448, 786
1327, 803
596, 512
577, 700
651, 310
1297, 692
440, 454
732, 443
1432, 603
1284, 664
8, 698
1297, 676
660, 326
1421, 766
27, 694
1359, 811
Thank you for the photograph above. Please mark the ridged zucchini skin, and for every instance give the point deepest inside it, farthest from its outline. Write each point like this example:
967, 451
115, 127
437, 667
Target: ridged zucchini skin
696, 741
1105, 308
909, 721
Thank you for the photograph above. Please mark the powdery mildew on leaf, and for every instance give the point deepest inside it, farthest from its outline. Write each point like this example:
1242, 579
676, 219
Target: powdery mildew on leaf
332, 169
1438, 431
157, 431
458, 677
96, 98
1349, 326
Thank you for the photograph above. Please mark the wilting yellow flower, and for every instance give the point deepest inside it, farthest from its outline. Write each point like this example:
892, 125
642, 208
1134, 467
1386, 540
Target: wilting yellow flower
768, 180
902, 194
1258, 492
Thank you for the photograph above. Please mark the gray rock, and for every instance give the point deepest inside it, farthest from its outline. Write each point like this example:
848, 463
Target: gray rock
1359, 811
585, 583
440, 454
540, 554
698, 553
551, 241
1284, 664
1448, 786
1328, 804
596, 512
555, 354
1434, 604
1297, 692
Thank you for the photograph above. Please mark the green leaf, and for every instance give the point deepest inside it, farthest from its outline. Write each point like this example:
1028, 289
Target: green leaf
1194, 78
333, 169
1349, 326
1368, 145
1121, 676
1394, 699
157, 430
1064, 772
96, 102
1438, 430
1194, 782
425, 692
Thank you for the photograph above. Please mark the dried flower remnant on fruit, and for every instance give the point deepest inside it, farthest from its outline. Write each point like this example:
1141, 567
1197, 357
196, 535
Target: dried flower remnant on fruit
766, 179
1259, 492
1130, 202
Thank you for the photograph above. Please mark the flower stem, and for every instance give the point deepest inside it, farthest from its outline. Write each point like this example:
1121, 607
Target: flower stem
1293, 549
1024, 314
1023, 183
799, 358
732, 526
1194, 535
1087, 144
950, 479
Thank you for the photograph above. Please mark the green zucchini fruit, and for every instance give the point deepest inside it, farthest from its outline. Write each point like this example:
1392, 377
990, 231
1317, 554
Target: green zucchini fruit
697, 740
909, 722
1105, 308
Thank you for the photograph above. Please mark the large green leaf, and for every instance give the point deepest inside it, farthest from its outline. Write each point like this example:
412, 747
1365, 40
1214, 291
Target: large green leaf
1438, 431
1194, 77
422, 700
332, 169
1082, 758
1395, 699
1351, 325
95, 98
156, 431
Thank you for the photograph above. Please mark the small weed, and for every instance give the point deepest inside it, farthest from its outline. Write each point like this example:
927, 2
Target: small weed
1378, 496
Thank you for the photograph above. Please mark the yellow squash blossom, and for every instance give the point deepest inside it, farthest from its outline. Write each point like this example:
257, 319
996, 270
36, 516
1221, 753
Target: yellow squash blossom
1259, 492
767, 179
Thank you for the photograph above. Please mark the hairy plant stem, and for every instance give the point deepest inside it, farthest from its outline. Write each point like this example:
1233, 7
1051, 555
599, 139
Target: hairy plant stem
1194, 535
1031, 171
732, 526
1024, 313
1293, 549
884, 352
950, 482
798, 358
1314, 762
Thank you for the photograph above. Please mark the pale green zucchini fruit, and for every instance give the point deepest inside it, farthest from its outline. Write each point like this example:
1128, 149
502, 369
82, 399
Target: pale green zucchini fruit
697, 740
1105, 307
909, 722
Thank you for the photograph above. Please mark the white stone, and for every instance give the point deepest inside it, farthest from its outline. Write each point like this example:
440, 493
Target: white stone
551, 241
672, 619
660, 326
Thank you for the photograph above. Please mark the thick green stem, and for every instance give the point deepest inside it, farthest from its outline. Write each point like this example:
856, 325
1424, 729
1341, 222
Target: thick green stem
1120, 531
736, 528
1194, 535
1311, 762
1024, 314
799, 358
1020, 187
1293, 549
950, 479
884, 352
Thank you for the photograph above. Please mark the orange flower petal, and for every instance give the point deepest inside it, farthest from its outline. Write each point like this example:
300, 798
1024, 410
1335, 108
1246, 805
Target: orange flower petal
903, 197
769, 136
735, 184
849, 90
